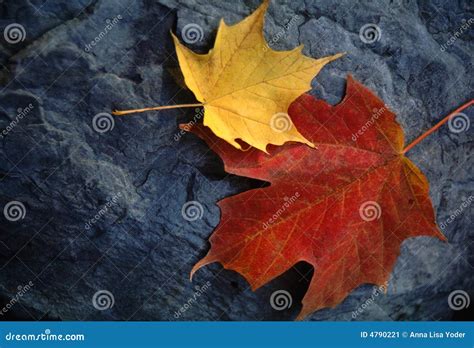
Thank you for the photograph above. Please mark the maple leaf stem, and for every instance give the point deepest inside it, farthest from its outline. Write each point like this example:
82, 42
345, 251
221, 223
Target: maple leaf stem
438, 125
154, 108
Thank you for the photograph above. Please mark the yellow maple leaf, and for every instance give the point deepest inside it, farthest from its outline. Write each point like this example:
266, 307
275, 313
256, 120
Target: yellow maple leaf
245, 86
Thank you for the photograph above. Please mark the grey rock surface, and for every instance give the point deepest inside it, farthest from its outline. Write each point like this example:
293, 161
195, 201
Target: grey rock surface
136, 176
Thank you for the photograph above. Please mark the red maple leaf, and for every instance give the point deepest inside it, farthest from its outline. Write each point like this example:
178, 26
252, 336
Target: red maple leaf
345, 207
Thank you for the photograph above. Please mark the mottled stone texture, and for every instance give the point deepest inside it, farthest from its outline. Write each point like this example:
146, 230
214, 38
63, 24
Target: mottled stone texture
141, 249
